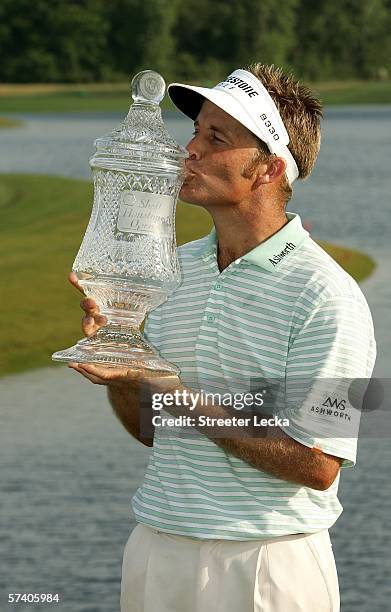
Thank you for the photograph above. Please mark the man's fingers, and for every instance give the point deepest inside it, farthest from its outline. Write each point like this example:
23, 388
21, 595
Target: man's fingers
90, 324
100, 320
75, 281
86, 373
93, 319
107, 375
89, 306
133, 380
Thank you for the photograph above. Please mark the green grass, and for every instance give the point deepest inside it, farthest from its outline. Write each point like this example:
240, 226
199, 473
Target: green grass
354, 92
42, 221
106, 97
68, 99
359, 265
66, 103
5, 122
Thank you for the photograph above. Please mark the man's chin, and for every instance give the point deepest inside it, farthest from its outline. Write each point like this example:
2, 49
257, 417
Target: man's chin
193, 201
190, 196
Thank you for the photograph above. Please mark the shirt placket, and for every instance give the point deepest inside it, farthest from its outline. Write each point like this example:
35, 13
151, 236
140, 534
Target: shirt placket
208, 335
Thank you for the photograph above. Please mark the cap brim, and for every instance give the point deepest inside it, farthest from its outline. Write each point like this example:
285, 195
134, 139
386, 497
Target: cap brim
189, 100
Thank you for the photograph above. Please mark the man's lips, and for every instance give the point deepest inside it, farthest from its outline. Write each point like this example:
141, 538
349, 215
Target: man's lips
189, 169
189, 174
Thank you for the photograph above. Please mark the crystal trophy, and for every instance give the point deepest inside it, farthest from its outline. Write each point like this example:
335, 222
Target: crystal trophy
127, 261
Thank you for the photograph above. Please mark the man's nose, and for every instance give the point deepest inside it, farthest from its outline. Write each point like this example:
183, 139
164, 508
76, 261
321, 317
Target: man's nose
193, 149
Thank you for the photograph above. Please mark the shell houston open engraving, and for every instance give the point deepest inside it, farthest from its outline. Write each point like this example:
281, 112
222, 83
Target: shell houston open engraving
143, 213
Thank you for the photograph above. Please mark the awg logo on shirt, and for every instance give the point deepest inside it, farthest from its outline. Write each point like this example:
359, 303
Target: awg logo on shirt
329, 403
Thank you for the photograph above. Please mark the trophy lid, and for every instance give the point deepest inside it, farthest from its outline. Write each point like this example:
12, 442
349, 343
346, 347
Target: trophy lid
142, 135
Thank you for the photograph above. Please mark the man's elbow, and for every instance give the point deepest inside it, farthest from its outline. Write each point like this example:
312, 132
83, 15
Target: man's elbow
325, 478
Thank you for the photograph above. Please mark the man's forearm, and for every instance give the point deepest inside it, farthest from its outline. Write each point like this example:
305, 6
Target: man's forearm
127, 408
281, 456
272, 451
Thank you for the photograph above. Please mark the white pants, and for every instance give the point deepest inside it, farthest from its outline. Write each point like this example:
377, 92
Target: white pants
163, 572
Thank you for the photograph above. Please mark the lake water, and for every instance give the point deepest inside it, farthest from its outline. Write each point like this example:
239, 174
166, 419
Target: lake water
69, 469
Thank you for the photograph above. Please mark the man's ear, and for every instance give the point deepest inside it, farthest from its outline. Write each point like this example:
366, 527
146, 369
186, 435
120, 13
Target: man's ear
272, 171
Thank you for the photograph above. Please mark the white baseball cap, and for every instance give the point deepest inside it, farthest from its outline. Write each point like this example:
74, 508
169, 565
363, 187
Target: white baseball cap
242, 96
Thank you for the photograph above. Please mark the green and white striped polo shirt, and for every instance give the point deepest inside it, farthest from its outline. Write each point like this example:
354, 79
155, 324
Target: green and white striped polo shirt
286, 311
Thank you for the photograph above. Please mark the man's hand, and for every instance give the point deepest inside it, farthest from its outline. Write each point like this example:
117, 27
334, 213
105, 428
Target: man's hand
135, 378
92, 319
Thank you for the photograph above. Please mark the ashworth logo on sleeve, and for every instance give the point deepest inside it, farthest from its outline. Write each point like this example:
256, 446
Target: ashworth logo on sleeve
335, 403
334, 407
279, 256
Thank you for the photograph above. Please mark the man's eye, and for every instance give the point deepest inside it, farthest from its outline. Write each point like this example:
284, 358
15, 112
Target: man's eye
212, 136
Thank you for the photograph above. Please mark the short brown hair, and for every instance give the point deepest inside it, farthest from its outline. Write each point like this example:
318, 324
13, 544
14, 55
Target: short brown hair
301, 112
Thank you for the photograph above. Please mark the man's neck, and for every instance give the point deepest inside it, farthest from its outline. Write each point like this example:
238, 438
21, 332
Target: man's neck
236, 236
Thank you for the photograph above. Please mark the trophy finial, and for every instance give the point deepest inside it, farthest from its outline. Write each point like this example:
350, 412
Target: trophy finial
148, 86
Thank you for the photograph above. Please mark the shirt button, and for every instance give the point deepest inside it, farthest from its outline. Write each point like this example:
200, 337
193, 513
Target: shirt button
218, 286
210, 318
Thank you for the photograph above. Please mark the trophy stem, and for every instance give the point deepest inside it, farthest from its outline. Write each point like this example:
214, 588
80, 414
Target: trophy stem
117, 345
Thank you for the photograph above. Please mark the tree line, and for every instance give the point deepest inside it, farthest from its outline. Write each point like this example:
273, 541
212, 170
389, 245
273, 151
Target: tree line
98, 40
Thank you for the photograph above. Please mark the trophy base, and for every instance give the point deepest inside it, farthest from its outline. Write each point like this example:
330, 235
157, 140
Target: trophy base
114, 348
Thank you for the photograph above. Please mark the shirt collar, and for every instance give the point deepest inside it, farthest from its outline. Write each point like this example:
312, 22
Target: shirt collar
270, 253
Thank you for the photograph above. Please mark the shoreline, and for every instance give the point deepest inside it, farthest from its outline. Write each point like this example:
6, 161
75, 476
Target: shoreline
115, 97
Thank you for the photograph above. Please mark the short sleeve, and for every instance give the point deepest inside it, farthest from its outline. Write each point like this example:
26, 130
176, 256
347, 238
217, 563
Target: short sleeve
330, 362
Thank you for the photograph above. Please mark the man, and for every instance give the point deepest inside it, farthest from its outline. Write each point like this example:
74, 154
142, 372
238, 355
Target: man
238, 518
